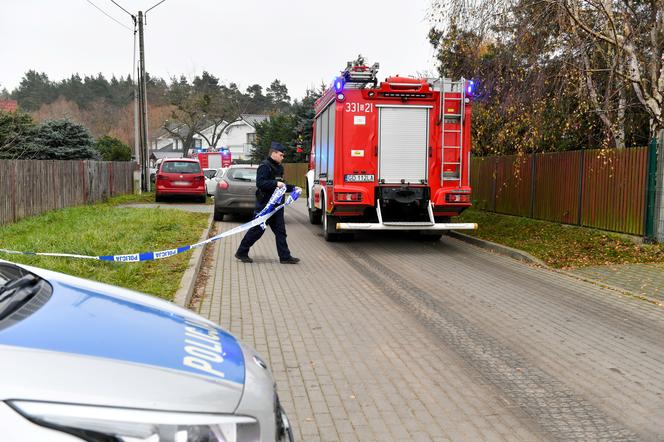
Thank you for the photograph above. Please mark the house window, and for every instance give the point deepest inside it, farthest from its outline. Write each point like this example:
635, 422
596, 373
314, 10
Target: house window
198, 143
251, 137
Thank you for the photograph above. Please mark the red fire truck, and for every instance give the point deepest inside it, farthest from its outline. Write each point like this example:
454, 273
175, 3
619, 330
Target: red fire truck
390, 156
214, 160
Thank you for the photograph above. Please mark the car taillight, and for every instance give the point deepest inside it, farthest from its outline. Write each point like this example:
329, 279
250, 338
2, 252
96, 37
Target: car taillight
199, 178
348, 196
223, 185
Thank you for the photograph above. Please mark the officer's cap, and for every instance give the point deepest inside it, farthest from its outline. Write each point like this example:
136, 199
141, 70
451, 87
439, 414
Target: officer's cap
278, 147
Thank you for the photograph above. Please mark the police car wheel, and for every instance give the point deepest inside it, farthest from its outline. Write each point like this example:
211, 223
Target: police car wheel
218, 216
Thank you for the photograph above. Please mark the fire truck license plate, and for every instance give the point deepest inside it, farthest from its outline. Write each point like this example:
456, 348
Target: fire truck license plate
359, 178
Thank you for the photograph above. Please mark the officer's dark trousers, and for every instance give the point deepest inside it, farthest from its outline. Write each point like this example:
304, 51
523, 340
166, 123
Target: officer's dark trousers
278, 226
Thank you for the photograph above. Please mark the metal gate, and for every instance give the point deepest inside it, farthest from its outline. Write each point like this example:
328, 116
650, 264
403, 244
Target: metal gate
403, 144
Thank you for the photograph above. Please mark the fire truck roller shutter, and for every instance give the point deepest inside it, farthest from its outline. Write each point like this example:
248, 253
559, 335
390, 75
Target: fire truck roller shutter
403, 144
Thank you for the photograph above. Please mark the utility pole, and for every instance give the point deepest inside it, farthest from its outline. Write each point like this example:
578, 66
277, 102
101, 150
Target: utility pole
141, 99
143, 117
138, 152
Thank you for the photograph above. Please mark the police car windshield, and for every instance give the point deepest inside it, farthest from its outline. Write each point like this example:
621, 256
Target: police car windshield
9, 273
17, 287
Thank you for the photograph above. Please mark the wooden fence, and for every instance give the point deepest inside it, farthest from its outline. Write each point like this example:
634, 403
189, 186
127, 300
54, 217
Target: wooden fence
31, 187
604, 189
295, 173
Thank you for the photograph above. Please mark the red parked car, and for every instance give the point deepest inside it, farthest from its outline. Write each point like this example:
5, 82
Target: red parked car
180, 177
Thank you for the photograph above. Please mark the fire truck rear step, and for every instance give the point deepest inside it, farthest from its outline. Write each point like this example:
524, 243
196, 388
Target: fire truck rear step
405, 225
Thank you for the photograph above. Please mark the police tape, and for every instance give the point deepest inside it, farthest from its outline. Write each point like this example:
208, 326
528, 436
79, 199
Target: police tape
272, 207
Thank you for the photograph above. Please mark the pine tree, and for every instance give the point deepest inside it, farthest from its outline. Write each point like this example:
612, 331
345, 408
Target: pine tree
63, 140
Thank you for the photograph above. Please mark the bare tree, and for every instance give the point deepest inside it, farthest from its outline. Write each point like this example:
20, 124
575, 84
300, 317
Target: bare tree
189, 115
602, 72
635, 32
226, 108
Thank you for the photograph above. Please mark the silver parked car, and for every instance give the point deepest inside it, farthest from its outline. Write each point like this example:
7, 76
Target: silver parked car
236, 192
81, 360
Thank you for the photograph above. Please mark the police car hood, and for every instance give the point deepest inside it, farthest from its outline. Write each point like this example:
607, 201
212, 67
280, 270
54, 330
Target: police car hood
92, 343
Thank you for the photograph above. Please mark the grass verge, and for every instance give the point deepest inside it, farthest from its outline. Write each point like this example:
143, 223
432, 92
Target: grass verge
561, 246
148, 198
103, 229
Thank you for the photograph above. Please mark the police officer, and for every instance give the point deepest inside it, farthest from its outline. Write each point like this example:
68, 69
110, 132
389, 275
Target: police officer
269, 176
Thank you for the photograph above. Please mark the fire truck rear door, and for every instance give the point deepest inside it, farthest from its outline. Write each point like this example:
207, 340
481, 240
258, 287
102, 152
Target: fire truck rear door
403, 144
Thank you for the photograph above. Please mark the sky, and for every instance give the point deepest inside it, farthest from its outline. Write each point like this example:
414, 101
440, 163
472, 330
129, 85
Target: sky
300, 42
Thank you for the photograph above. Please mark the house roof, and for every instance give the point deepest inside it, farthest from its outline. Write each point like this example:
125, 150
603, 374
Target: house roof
179, 128
253, 119
158, 155
166, 148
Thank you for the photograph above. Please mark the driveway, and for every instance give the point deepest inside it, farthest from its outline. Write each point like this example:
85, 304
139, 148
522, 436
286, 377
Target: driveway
388, 338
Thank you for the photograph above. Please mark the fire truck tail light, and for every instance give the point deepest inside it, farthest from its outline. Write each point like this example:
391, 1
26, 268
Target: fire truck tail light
457, 197
348, 196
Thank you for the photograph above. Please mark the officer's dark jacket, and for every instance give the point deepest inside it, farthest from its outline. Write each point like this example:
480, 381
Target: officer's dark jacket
268, 174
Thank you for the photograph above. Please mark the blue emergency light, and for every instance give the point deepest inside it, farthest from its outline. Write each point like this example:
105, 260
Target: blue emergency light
339, 85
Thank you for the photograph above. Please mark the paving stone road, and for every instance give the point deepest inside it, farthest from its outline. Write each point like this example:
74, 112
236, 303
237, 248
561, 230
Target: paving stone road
641, 279
388, 338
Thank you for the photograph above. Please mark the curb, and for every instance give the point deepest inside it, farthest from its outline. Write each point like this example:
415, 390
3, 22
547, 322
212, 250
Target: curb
528, 258
188, 282
622, 290
517, 254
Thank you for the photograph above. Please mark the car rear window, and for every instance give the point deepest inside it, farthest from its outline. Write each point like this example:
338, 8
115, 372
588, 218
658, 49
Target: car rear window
181, 167
242, 174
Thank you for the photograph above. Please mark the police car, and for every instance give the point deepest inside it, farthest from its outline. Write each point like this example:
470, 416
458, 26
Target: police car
81, 360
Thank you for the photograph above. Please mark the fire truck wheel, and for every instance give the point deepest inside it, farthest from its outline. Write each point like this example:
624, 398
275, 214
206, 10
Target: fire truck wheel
315, 217
330, 232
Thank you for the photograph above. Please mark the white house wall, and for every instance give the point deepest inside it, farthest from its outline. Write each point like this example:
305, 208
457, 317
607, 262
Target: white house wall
235, 139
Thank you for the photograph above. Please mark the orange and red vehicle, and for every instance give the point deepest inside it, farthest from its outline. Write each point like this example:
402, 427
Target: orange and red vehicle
215, 160
390, 156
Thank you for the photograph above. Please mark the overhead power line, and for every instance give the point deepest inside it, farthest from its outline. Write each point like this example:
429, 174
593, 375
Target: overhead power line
154, 6
109, 16
118, 5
